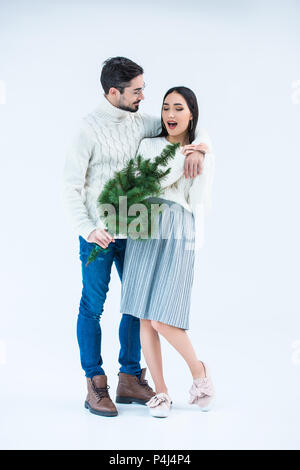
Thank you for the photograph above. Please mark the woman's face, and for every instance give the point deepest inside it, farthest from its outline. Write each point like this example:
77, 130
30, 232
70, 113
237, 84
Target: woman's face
176, 114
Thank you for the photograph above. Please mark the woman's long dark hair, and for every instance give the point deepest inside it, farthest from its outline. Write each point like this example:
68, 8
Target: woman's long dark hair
192, 103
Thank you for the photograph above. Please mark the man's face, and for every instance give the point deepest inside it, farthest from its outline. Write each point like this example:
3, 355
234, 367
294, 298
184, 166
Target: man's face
132, 95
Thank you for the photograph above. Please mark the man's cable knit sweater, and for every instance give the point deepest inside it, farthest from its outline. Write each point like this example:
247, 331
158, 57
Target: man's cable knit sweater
108, 137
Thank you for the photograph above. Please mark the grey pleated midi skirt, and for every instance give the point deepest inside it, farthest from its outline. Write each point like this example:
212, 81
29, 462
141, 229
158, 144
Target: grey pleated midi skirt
158, 272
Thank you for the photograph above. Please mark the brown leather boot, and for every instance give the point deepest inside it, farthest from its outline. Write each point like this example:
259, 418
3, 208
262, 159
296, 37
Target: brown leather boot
98, 400
132, 389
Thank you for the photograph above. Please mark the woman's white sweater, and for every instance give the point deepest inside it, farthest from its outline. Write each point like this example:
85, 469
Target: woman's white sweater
195, 194
107, 138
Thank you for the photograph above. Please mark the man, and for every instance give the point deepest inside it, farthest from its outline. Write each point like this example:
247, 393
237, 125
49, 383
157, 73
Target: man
109, 136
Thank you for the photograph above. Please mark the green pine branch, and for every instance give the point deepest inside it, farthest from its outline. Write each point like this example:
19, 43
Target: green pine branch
139, 179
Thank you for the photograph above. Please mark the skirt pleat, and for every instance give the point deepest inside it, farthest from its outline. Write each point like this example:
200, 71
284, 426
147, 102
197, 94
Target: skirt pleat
158, 272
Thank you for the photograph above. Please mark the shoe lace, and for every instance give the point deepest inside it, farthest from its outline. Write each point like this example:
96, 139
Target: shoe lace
158, 399
145, 384
202, 389
101, 392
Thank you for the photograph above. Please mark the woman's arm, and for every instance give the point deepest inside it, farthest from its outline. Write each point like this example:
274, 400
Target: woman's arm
193, 162
200, 191
73, 179
200, 197
177, 169
152, 125
146, 149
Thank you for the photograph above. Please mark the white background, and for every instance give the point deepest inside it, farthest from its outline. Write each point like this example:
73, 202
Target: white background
242, 60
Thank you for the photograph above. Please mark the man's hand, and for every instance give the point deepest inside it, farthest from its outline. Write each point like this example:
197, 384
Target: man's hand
187, 149
194, 159
100, 236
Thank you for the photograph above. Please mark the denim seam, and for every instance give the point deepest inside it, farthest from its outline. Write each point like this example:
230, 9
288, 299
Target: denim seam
128, 340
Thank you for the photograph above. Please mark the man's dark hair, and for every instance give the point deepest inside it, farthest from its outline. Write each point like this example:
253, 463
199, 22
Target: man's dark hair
117, 72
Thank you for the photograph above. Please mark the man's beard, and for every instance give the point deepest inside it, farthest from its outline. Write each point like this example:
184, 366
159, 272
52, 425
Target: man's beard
127, 108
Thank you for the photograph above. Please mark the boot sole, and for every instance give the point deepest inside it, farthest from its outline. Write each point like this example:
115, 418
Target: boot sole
129, 400
99, 413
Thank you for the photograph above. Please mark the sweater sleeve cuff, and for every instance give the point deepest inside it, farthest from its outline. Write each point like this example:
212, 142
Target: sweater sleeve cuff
100, 225
86, 229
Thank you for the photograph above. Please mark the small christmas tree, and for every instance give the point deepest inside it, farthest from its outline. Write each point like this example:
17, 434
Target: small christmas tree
139, 179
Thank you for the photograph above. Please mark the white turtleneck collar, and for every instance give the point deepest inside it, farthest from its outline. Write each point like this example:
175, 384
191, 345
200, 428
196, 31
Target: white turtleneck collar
111, 111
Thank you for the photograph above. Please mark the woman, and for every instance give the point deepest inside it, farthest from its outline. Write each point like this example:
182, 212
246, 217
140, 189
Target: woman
158, 272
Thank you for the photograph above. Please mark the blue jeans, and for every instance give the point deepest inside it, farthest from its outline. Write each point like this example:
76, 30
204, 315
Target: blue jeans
95, 281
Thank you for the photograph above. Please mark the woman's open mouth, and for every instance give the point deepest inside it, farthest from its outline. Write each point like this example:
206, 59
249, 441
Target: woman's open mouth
172, 124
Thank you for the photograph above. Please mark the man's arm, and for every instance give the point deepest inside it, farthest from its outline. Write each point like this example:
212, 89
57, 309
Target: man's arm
152, 125
195, 159
152, 128
76, 164
200, 192
200, 198
202, 137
